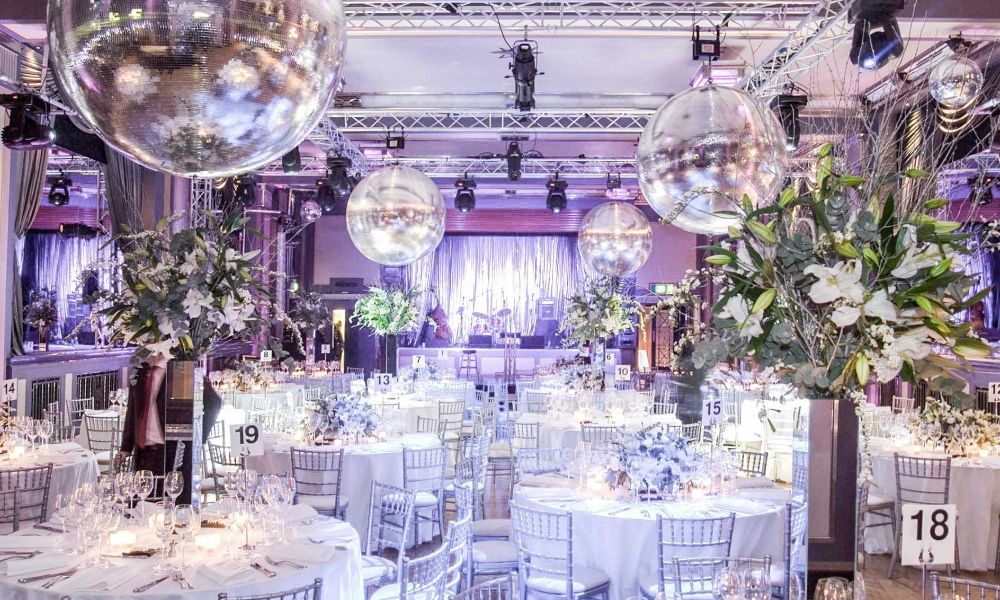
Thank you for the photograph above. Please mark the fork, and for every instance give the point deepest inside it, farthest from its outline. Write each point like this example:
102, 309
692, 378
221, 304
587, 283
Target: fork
20, 555
289, 563
48, 584
184, 583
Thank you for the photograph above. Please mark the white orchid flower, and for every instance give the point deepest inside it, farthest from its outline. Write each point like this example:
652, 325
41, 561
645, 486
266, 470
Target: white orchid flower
843, 280
738, 309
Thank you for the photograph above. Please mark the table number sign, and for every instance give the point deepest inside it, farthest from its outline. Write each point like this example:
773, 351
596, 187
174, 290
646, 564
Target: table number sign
419, 361
324, 349
266, 356
994, 392
711, 411
609, 358
928, 534
623, 372
246, 440
382, 381
10, 391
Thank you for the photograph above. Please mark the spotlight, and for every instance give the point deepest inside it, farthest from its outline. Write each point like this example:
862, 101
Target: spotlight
981, 189
59, 191
336, 186
556, 200
246, 191
876, 33
24, 131
614, 180
524, 70
788, 106
465, 198
513, 161
291, 162
705, 50
395, 141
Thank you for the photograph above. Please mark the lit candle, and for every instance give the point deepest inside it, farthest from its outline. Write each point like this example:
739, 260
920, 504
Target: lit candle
16, 452
207, 542
122, 539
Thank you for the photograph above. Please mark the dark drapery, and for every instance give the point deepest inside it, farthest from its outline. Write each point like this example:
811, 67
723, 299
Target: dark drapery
124, 191
26, 195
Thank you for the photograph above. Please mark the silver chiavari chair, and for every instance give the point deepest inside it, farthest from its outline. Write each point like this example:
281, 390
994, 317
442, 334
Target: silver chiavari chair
694, 578
599, 436
874, 511
421, 578
664, 408
504, 588
540, 461
459, 540
25, 495
796, 521
903, 405
709, 538
920, 481
752, 464
317, 475
800, 475
451, 414
536, 401
77, 408
103, 434
423, 474
313, 591
962, 588
544, 542
390, 518
490, 552
428, 425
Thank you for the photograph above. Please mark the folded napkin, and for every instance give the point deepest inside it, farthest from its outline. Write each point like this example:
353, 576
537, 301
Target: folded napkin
772, 494
29, 542
298, 512
742, 483
229, 573
326, 531
302, 553
549, 480
38, 564
738, 505
99, 579
546, 493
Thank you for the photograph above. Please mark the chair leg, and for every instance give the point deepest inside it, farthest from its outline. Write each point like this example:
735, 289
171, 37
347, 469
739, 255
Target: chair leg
895, 547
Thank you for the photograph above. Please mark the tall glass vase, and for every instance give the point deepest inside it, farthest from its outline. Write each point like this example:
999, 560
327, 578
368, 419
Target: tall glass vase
182, 425
390, 347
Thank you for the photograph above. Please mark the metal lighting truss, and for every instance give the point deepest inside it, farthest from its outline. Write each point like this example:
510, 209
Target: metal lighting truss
331, 139
202, 199
397, 17
813, 40
624, 121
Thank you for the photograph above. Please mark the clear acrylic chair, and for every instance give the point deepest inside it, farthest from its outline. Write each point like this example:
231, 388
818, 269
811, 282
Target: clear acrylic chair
920, 481
544, 542
752, 464
599, 436
951, 588
421, 578
317, 475
25, 494
709, 538
423, 474
390, 518
313, 591
103, 438
694, 578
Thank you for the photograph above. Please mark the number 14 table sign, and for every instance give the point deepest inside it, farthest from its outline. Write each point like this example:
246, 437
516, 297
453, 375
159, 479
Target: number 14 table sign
928, 534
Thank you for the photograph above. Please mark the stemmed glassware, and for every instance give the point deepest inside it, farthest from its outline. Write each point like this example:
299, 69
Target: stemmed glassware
173, 485
144, 482
186, 520
757, 583
162, 523
832, 588
45, 431
727, 584
123, 483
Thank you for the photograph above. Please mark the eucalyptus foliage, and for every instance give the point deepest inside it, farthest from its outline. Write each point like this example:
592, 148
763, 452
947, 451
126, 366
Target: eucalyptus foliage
600, 311
387, 312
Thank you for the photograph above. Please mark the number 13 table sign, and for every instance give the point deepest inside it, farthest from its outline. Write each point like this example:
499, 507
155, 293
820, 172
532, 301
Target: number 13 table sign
928, 534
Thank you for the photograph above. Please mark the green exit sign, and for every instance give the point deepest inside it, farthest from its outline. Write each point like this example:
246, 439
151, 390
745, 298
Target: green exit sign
662, 289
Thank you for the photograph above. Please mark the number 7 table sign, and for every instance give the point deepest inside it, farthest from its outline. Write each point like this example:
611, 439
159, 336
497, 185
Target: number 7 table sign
246, 440
928, 534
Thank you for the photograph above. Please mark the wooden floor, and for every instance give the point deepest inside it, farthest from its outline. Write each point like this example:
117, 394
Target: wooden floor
905, 584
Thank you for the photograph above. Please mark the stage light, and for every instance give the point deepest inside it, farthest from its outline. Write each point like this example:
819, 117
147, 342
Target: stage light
291, 161
788, 106
339, 179
513, 161
981, 189
876, 33
246, 191
702, 49
524, 71
556, 200
465, 197
24, 130
614, 180
59, 190
77, 230
395, 141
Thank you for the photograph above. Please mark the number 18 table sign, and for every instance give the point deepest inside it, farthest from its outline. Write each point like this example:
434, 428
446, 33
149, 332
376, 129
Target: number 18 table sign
928, 534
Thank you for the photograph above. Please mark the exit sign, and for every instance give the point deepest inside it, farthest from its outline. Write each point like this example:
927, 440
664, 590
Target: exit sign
662, 289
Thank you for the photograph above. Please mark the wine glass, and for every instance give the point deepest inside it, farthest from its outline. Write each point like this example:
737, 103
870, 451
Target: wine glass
62, 506
757, 583
122, 488
173, 485
144, 484
162, 523
831, 588
727, 584
185, 522
45, 431
230, 481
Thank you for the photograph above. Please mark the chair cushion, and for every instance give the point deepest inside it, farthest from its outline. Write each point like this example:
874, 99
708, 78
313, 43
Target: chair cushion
499, 450
650, 585
777, 574
491, 528
878, 501
450, 486
424, 499
322, 502
103, 457
374, 568
391, 592
494, 552
585, 579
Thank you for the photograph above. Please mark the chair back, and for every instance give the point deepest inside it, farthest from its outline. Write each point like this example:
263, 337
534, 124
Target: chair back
539, 461
219, 455
598, 435
800, 475
525, 435
796, 522
664, 408
536, 401
458, 540
425, 577
962, 588
103, 433
313, 591
693, 538
318, 473
390, 517
544, 542
752, 464
922, 480
451, 413
902, 404
28, 499
62, 434
428, 425
77, 408
504, 588
695, 577
423, 469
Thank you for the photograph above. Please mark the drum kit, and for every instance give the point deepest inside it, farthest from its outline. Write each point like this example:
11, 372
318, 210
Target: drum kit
486, 324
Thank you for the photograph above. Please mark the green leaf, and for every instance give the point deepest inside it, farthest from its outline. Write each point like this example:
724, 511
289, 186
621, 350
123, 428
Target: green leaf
787, 195
718, 259
763, 301
971, 348
940, 269
978, 297
747, 203
935, 203
825, 150
870, 257
925, 304
916, 173
735, 233
946, 226
850, 180
762, 232
847, 250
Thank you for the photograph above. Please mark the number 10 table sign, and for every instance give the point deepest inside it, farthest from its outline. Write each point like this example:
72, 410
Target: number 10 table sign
928, 534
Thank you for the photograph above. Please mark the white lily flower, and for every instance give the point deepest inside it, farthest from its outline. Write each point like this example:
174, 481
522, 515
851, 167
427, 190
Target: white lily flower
161, 348
738, 309
881, 307
845, 315
195, 302
190, 264
843, 280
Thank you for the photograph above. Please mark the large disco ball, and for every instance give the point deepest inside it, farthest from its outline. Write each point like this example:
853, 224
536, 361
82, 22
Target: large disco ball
395, 215
956, 82
615, 238
203, 88
703, 150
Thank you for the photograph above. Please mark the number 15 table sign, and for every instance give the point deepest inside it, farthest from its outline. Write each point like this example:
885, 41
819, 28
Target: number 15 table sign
928, 534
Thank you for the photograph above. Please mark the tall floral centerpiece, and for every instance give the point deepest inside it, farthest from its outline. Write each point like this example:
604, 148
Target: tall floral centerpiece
595, 314
653, 459
41, 312
309, 314
388, 313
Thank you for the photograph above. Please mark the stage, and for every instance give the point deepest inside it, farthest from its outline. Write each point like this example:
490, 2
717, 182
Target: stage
490, 360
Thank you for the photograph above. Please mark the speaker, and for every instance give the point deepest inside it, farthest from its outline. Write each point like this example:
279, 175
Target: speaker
548, 309
532, 342
345, 285
627, 339
480, 341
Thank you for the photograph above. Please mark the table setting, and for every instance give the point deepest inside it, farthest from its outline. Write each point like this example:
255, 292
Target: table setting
563, 430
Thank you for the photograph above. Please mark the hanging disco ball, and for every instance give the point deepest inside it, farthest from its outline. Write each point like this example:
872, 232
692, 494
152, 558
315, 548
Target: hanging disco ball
615, 238
703, 150
395, 215
311, 211
956, 82
204, 88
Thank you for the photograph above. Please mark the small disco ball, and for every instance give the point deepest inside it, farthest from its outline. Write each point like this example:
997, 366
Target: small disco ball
703, 150
615, 238
395, 215
204, 88
956, 82
311, 211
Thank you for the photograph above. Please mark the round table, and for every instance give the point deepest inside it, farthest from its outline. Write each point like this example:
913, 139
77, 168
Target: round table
72, 466
563, 431
363, 464
410, 405
974, 490
620, 538
340, 572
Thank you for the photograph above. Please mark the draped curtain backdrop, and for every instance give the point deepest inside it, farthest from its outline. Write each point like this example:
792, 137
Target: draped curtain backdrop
26, 195
124, 191
488, 273
985, 264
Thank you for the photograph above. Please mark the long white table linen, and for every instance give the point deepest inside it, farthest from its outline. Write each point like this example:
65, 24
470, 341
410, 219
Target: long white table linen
563, 431
72, 466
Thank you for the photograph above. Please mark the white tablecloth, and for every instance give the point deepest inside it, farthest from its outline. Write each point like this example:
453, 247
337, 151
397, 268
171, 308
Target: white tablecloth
975, 490
623, 544
72, 466
363, 464
559, 431
411, 405
341, 577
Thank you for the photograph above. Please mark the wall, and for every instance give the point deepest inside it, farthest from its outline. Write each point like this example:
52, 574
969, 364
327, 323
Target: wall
673, 253
334, 255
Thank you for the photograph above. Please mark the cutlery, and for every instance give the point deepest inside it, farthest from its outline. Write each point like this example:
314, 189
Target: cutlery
316, 519
51, 528
149, 585
617, 511
35, 578
57, 579
185, 584
263, 569
289, 563
19, 555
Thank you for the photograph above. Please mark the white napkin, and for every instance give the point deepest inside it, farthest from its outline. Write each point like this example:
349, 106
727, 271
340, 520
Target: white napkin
772, 494
309, 553
298, 512
99, 579
544, 493
229, 573
738, 505
548, 480
742, 483
46, 562
327, 531
29, 542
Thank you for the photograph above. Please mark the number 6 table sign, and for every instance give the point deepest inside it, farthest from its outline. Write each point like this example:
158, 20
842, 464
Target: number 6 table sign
246, 440
928, 534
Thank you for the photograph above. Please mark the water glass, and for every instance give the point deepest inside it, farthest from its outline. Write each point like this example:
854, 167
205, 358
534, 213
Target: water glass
757, 583
162, 523
173, 485
727, 585
186, 521
45, 431
832, 588
144, 484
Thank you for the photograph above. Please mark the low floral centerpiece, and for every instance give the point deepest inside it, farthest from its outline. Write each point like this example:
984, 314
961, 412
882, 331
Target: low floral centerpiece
653, 459
41, 312
342, 414
952, 429
583, 378
247, 376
